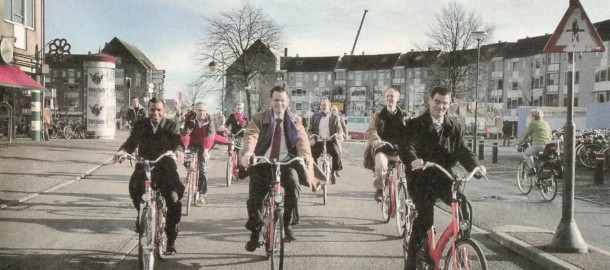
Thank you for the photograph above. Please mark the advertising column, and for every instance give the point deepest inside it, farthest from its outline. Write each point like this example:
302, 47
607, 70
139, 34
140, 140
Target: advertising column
101, 96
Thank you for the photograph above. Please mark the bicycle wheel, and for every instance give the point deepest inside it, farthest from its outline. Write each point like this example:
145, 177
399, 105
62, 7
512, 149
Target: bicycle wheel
68, 133
146, 255
402, 209
468, 255
326, 169
523, 180
161, 236
548, 188
229, 170
189, 191
386, 204
277, 251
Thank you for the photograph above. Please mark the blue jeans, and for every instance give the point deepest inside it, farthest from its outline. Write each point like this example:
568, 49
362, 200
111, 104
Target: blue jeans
203, 169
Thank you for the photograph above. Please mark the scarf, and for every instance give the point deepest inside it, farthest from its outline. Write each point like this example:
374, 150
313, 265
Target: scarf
240, 119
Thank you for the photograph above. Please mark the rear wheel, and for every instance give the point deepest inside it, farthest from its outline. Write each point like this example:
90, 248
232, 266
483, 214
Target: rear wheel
548, 188
402, 209
190, 194
386, 204
146, 244
161, 236
229, 170
468, 255
523, 180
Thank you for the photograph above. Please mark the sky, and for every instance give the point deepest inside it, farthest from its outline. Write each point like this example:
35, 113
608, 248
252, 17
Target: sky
168, 31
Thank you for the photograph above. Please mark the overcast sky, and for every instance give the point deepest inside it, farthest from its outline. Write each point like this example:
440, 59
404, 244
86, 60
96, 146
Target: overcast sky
168, 31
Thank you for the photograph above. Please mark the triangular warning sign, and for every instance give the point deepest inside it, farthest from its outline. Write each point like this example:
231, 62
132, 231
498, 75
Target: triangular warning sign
575, 33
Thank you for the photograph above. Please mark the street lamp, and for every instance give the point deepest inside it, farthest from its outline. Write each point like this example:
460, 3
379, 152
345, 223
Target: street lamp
247, 87
213, 65
478, 35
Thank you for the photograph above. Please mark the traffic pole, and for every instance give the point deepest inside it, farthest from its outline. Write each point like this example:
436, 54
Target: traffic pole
36, 115
481, 149
600, 161
494, 152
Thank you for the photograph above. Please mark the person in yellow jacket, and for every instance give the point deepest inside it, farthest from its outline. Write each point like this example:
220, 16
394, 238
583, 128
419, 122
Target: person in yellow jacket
540, 131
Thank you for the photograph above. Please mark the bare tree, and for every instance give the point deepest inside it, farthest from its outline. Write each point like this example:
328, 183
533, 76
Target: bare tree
231, 35
452, 34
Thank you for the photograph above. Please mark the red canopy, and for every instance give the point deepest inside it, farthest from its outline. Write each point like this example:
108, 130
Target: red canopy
12, 76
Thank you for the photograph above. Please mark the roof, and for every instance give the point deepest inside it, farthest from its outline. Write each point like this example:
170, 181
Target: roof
415, 59
137, 54
528, 46
368, 62
603, 29
308, 64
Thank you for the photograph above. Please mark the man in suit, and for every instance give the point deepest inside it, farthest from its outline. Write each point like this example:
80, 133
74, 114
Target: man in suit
325, 124
387, 125
201, 140
276, 133
433, 137
154, 136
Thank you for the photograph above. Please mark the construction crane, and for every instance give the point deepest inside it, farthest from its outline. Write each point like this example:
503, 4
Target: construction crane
358, 34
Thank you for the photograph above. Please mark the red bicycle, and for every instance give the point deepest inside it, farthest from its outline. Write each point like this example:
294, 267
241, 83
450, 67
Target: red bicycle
464, 252
234, 147
273, 212
152, 215
396, 202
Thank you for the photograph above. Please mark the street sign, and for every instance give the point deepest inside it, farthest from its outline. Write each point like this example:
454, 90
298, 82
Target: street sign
575, 33
158, 72
158, 80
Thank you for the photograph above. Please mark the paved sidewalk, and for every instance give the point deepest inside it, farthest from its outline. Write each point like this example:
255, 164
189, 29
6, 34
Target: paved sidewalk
29, 168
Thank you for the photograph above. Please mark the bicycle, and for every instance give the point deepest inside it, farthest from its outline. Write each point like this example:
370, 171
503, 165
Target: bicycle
152, 215
192, 176
548, 168
61, 130
463, 252
396, 202
325, 161
273, 212
232, 165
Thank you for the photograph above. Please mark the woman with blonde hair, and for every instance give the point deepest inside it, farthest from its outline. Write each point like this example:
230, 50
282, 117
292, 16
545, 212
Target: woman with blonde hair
540, 131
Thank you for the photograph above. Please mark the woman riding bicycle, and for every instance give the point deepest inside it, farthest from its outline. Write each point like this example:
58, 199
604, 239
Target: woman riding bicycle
436, 138
236, 122
540, 131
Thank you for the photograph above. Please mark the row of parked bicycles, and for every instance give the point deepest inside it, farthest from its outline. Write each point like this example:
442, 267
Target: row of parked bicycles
59, 129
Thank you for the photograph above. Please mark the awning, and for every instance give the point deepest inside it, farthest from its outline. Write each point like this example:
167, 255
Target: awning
12, 76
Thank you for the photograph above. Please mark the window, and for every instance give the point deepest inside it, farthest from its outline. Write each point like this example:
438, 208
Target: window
20, 11
399, 73
576, 75
515, 85
500, 84
299, 106
299, 92
340, 75
552, 79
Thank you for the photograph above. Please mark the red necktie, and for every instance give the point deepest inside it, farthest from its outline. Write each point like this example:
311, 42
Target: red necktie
277, 138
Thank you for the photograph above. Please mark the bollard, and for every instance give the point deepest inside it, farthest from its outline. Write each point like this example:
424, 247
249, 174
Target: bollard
600, 161
469, 144
481, 149
494, 152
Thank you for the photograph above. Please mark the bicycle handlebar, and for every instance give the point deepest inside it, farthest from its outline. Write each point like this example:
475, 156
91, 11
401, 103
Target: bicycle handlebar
125, 156
256, 160
465, 178
243, 130
314, 136
383, 143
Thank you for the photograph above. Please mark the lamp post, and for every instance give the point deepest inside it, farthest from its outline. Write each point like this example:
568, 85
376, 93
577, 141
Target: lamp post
247, 87
478, 35
213, 67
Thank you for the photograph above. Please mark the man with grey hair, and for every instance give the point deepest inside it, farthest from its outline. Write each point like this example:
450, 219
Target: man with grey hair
202, 140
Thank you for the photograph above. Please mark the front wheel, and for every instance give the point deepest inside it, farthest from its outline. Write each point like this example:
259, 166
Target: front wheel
68, 132
276, 253
523, 180
386, 204
146, 245
402, 209
229, 170
468, 255
190, 194
326, 169
548, 188
161, 236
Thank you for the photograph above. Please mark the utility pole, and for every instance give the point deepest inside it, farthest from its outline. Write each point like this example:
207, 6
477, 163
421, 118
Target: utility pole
358, 34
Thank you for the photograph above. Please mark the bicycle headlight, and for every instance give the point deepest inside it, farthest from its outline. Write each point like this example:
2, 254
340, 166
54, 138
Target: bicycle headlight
464, 225
278, 198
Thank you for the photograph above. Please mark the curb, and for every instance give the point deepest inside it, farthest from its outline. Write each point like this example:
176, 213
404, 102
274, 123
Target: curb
73, 180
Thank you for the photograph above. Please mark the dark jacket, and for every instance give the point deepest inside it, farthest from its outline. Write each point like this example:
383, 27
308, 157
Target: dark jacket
386, 127
235, 125
136, 114
334, 124
445, 149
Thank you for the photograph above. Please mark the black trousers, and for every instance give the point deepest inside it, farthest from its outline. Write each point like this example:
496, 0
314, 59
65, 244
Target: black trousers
260, 181
333, 150
425, 188
168, 181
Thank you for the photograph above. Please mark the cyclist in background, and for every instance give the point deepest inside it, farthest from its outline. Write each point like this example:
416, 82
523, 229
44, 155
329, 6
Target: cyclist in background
433, 137
154, 136
236, 122
540, 131
136, 112
201, 140
387, 125
324, 125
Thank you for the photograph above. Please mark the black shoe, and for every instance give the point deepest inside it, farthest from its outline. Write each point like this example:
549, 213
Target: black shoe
289, 235
253, 244
295, 220
378, 195
531, 172
242, 173
171, 249
333, 178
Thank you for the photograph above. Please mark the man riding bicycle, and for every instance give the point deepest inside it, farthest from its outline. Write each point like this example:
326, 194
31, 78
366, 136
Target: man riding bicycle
201, 140
154, 136
387, 125
325, 124
279, 134
433, 137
